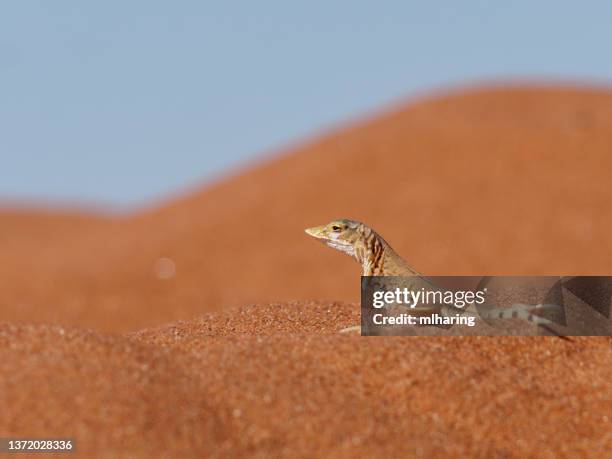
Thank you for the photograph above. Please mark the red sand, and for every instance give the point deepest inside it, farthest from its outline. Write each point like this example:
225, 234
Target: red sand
486, 182
277, 381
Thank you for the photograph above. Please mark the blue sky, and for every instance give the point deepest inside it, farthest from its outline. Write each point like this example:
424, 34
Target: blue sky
123, 102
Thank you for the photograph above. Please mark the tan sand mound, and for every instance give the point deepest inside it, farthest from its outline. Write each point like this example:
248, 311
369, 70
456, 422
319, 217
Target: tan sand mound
110, 394
294, 317
493, 181
264, 385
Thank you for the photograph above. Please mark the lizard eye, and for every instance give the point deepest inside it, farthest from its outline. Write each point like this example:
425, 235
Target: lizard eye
336, 228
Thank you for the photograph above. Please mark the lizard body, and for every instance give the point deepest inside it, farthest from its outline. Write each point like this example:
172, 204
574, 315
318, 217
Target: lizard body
377, 258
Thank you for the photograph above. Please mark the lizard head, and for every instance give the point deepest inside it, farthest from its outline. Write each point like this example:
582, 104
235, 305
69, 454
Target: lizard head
341, 235
365, 245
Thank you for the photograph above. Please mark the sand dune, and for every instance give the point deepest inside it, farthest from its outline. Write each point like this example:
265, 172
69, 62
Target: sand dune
277, 381
492, 181
498, 181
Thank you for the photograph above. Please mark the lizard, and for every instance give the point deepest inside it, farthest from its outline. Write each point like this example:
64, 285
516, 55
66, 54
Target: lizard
378, 258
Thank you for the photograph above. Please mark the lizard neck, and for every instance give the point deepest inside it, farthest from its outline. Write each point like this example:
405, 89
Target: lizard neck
370, 252
377, 258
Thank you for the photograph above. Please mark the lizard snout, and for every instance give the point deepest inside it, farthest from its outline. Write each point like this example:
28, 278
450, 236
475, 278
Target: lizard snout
316, 231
